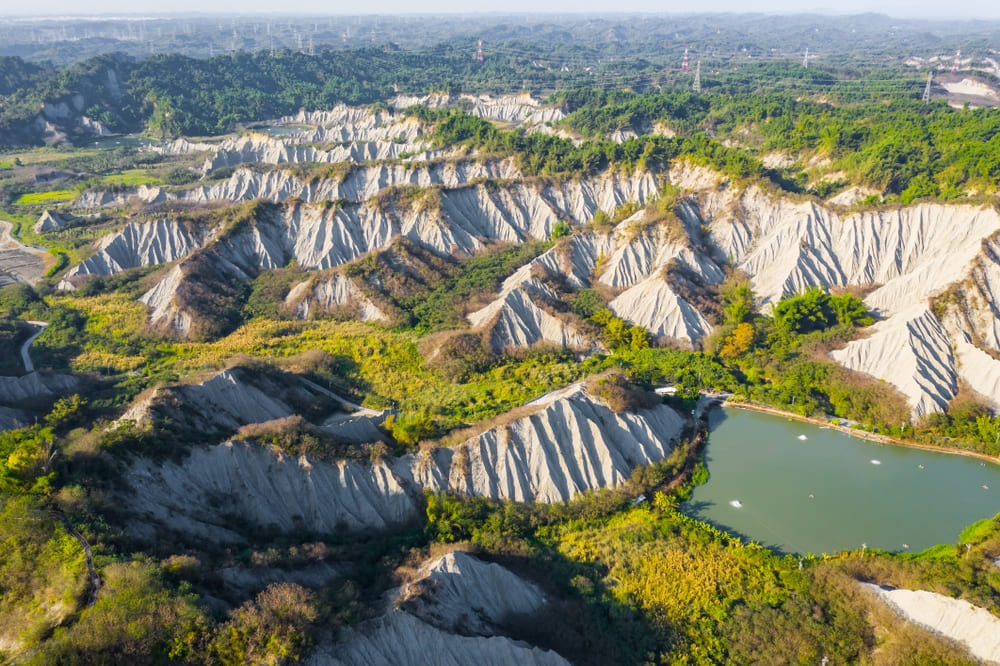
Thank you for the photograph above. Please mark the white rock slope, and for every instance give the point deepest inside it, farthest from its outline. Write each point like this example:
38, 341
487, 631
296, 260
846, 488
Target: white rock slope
225, 402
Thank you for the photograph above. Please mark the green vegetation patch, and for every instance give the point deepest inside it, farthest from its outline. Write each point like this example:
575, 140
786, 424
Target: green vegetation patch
46, 198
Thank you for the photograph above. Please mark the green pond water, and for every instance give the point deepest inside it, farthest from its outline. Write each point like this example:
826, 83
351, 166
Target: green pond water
800, 488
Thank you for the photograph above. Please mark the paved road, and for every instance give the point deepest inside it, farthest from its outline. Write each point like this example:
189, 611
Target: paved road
28, 365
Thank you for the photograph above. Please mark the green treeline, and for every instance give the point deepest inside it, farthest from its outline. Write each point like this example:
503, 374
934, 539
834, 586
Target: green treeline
172, 94
899, 146
546, 155
883, 138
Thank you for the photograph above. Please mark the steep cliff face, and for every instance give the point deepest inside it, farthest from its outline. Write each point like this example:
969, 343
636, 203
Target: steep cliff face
912, 352
656, 306
11, 419
567, 443
632, 259
35, 386
263, 149
520, 109
904, 257
517, 320
447, 221
786, 246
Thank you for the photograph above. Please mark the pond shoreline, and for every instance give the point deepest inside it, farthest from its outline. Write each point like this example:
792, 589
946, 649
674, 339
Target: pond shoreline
860, 434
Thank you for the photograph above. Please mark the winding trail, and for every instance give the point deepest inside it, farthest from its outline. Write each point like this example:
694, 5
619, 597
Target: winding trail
95, 580
88, 553
28, 365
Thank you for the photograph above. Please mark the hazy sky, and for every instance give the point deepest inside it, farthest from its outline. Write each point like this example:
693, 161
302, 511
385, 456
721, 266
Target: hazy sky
899, 8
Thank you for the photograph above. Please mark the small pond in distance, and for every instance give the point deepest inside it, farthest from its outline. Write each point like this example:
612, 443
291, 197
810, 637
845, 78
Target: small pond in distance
800, 488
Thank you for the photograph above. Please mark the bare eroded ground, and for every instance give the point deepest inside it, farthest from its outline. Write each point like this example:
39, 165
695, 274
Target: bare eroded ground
18, 262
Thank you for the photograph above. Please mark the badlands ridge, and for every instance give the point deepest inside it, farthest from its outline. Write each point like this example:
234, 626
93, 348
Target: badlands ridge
906, 259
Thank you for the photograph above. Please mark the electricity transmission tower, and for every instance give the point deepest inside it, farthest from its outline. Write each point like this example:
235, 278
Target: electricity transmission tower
927, 91
696, 86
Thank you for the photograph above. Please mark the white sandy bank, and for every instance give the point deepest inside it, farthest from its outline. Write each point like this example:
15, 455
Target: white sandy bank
975, 628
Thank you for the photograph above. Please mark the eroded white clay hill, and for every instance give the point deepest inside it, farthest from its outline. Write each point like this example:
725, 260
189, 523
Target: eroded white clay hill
449, 615
460, 590
564, 444
460, 221
399, 638
223, 403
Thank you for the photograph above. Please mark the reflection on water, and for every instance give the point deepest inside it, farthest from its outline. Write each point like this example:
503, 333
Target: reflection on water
796, 487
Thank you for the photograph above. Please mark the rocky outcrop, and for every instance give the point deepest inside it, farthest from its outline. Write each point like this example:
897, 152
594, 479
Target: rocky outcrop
565, 443
516, 320
569, 444
447, 221
904, 256
264, 149
141, 244
11, 419
520, 109
183, 146
633, 256
50, 221
975, 628
166, 314
786, 247
356, 184
143, 194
